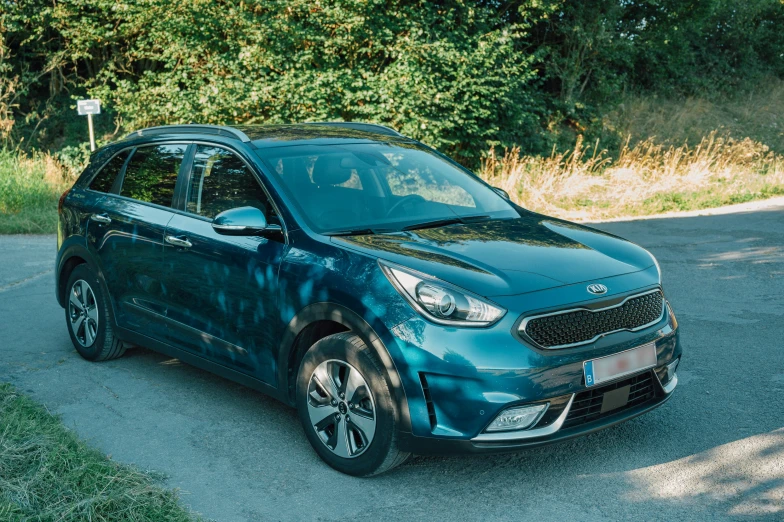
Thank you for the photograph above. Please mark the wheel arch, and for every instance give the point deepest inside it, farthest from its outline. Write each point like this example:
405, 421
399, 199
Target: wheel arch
69, 258
320, 320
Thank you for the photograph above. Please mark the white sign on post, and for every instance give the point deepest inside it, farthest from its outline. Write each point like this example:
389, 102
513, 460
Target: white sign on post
86, 107
89, 107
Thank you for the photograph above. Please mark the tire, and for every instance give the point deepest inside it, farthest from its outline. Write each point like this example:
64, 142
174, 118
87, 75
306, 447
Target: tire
340, 359
87, 317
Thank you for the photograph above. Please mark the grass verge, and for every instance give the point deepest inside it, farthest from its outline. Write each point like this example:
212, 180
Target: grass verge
29, 189
647, 178
48, 473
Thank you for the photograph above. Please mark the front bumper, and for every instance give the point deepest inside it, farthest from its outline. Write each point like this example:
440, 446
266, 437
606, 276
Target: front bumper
526, 439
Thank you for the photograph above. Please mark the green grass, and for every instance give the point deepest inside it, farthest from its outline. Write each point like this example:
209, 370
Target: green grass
700, 200
29, 190
48, 474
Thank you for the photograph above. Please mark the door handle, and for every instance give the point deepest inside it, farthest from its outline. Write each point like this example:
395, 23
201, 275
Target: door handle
101, 218
179, 241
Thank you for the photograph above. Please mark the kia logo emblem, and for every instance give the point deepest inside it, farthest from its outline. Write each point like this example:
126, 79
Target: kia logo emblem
597, 289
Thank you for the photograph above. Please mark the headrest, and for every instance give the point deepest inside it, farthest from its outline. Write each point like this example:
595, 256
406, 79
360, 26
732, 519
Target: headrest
335, 169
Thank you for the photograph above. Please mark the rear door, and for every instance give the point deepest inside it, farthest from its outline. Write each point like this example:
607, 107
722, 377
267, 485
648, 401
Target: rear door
221, 291
127, 235
95, 192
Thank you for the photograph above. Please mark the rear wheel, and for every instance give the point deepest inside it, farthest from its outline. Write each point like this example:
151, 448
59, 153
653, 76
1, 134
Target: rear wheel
87, 317
346, 407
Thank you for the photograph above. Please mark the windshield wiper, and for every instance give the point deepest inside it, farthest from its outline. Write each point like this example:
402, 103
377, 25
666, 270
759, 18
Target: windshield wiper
447, 221
358, 232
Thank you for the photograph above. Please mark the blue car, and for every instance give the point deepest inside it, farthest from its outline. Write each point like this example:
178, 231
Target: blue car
401, 304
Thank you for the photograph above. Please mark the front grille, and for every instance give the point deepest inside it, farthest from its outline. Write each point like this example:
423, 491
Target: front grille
584, 326
587, 405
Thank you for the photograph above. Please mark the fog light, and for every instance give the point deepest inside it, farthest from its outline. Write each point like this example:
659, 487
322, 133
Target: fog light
671, 369
517, 418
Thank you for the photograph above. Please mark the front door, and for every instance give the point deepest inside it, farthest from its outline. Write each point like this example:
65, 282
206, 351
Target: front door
221, 291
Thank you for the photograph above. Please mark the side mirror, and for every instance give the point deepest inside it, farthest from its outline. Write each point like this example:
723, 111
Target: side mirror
501, 192
242, 221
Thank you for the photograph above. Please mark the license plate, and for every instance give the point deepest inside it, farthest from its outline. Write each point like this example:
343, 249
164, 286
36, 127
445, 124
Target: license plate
620, 364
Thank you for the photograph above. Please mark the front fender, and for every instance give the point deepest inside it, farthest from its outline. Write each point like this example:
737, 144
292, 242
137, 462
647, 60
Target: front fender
327, 311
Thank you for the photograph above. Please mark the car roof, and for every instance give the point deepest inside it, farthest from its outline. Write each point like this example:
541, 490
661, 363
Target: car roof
267, 136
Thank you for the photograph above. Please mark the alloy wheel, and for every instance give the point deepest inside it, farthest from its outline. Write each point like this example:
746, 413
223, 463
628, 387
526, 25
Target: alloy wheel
341, 408
83, 313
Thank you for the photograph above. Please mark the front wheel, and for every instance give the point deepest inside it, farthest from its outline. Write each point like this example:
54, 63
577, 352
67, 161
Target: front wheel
346, 407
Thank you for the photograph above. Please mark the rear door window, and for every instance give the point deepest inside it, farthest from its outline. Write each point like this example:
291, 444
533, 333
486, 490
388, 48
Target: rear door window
105, 179
152, 172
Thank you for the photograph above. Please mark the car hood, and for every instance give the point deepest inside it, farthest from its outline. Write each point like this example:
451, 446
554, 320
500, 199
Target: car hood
507, 257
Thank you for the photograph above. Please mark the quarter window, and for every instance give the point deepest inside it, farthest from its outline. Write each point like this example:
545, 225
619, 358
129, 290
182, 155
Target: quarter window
221, 181
105, 179
151, 174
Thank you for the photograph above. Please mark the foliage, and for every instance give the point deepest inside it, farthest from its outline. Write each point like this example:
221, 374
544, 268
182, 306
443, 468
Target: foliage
460, 75
452, 74
48, 474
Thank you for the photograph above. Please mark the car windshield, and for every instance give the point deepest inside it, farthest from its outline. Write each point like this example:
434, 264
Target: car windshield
380, 187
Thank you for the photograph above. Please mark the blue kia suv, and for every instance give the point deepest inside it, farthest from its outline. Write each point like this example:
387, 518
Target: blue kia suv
401, 304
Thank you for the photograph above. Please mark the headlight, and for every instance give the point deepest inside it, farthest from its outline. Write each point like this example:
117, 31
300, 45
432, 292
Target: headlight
439, 301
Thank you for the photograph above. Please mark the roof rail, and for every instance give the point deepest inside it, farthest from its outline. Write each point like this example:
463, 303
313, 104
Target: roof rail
220, 130
368, 127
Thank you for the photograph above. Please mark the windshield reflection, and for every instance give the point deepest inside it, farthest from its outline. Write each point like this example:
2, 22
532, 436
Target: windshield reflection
380, 187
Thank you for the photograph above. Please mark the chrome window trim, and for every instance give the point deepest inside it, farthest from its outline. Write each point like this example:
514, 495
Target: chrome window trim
530, 433
525, 321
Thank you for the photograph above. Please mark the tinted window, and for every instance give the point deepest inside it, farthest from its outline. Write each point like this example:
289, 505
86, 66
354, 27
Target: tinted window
152, 174
383, 185
221, 181
105, 178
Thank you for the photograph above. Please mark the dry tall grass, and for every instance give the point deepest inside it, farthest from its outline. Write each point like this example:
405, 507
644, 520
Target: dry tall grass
585, 183
30, 186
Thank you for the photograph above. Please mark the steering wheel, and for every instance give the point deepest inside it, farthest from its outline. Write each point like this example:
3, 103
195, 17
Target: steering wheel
411, 198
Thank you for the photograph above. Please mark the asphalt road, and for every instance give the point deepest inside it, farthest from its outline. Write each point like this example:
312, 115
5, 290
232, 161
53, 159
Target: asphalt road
714, 452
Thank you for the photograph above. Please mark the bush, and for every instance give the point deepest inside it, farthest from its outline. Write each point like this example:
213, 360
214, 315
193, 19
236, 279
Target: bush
460, 75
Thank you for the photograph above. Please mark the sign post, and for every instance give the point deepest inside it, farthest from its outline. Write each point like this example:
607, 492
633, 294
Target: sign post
89, 107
